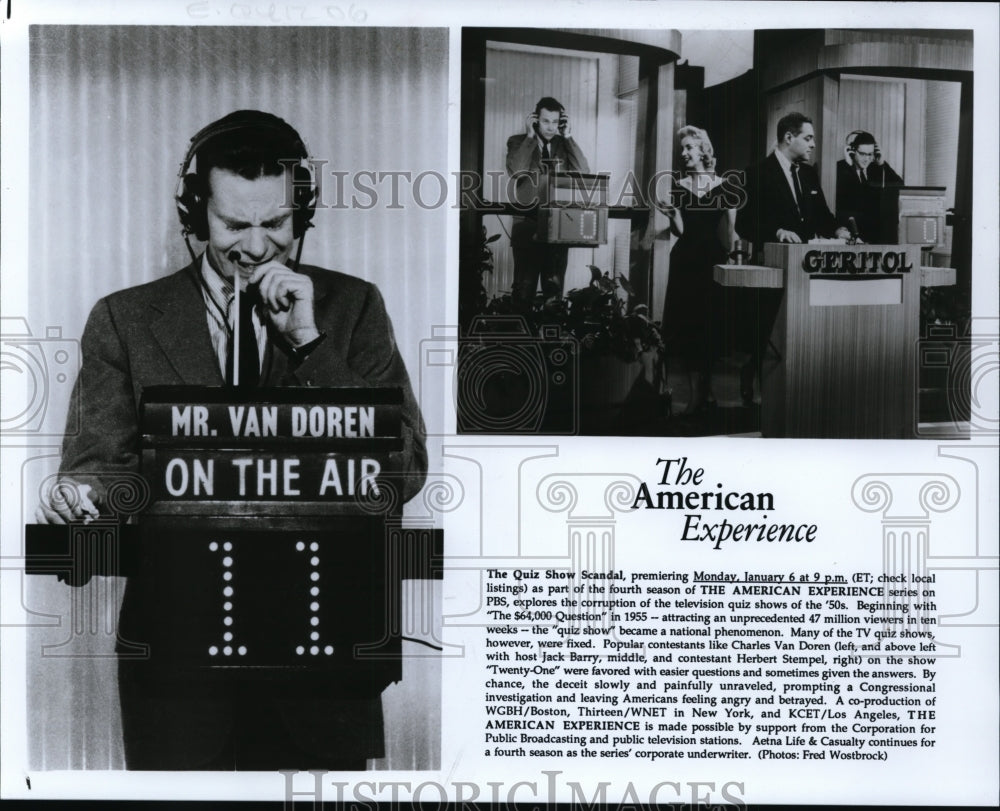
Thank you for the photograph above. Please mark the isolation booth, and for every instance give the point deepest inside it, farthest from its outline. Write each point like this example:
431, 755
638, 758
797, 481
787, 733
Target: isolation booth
269, 544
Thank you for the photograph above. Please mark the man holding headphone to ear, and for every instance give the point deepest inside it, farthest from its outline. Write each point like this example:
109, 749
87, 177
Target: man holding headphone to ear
860, 174
546, 144
299, 326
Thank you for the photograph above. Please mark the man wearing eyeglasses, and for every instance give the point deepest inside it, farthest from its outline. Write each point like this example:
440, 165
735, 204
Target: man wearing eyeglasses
861, 173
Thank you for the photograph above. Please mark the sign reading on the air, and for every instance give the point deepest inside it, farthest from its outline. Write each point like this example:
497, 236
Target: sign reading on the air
227, 476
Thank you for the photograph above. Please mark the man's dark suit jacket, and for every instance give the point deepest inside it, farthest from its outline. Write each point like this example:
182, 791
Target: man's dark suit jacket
861, 201
157, 334
771, 205
524, 160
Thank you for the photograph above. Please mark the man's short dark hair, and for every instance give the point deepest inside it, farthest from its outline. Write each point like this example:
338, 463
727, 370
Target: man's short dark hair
548, 103
862, 139
249, 143
793, 123
252, 144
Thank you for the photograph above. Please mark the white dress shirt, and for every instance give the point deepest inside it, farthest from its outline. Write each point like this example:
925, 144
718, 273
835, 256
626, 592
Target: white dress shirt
786, 167
219, 299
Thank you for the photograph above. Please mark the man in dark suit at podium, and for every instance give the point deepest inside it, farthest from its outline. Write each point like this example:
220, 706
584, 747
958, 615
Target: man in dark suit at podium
860, 175
300, 326
546, 144
784, 203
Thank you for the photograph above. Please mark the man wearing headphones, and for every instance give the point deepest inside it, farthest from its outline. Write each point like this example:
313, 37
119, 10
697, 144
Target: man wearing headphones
861, 173
546, 143
303, 326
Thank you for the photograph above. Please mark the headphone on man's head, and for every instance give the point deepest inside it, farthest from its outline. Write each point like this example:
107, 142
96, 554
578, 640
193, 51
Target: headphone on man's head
850, 144
191, 197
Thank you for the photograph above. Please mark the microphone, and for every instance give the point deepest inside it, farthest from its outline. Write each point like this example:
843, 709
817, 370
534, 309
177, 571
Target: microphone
852, 226
740, 252
253, 297
253, 290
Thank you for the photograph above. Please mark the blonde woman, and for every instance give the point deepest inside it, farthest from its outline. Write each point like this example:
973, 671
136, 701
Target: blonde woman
703, 227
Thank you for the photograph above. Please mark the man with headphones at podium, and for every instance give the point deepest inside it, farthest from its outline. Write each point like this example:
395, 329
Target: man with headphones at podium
860, 174
299, 326
546, 144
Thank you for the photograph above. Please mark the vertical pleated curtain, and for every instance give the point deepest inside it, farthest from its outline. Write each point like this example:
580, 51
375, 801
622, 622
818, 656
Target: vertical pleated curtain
112, 109
941, 133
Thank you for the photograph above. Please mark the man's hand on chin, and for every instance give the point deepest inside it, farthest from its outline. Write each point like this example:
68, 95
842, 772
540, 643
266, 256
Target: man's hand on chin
288, 297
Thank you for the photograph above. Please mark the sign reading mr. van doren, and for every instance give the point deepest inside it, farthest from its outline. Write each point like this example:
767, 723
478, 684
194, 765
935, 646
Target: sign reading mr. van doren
282, 444
856, 261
